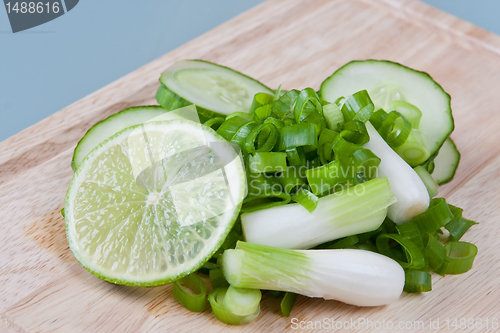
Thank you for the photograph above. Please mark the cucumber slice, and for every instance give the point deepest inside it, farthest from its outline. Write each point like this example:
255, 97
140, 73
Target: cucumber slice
215, 90
446, 163
111, 125
388, 81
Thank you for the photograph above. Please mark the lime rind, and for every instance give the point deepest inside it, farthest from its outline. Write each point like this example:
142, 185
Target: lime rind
134, 241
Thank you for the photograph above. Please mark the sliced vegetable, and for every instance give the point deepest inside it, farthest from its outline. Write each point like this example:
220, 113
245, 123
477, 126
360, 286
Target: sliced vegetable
388, 81
215, 89
410, 191
425, 176
353, 210
217, 302
191, 292
446, 163
356, 277
287, 303
242, 301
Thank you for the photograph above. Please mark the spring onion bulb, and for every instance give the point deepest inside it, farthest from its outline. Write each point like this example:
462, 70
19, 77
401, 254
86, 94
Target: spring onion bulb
354, 210
410, 191
352, 276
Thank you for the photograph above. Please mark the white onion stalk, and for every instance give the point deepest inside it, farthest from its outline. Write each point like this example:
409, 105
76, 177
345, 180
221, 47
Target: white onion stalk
352, 276
408, 188
354, 210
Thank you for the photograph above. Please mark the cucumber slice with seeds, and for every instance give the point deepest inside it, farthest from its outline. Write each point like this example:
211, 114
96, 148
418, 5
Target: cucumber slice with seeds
216, 90
388, 81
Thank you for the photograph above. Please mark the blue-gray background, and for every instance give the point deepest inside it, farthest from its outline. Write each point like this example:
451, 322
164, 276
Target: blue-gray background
53, 65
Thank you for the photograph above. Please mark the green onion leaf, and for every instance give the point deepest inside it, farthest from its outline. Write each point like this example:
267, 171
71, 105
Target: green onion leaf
217, 278
259, 100
262, 138
205, 269
333, 116
415, 150
308, 200
358, 107
267, 162
395, 129
459, 258
429, 182
285, 103
458, 225
436, 216
214, 123
291, 179
417, 281
287, 303
217, 300
414, 257
435, 253
377, 118
242, 301
191, 292
302, 107
296, 157
409, 111
303, 134
264, 191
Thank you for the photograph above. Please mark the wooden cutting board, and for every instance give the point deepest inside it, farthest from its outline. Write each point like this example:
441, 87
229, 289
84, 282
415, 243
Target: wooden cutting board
297, 44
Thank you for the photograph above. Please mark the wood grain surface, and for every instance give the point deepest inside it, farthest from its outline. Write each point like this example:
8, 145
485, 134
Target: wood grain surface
297, 44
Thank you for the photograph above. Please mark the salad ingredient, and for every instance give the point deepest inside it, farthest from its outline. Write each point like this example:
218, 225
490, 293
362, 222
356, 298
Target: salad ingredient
388, 81
191, 292
217, 299
131, 216
410, 191
216, 90
242, 301
354, 210
111, 125
429, 182
287, 303
356, 277
446, 162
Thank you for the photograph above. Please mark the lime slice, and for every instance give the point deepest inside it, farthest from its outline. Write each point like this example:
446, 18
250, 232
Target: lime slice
153, 202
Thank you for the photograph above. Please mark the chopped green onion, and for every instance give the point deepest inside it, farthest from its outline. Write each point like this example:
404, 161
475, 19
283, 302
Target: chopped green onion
217, 300
301, 109
242, 301
62, 213
410, 231
333, 116
352, 138
193, 297
459, 258
343, 243
303, 134
308, 200
205, 269
217, 279
287, 303
395, 129
326, 177
262, 138
229, 128
458, 225
259, 100
436, 216
414, 257
415, 150
285, 103
417, 281
267, 162
365, 162
325, 142
359, 107
264, 192
291, 179
377, 118
409, 111
435, 253
429, 182
231, 239
296, 156
214, 123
